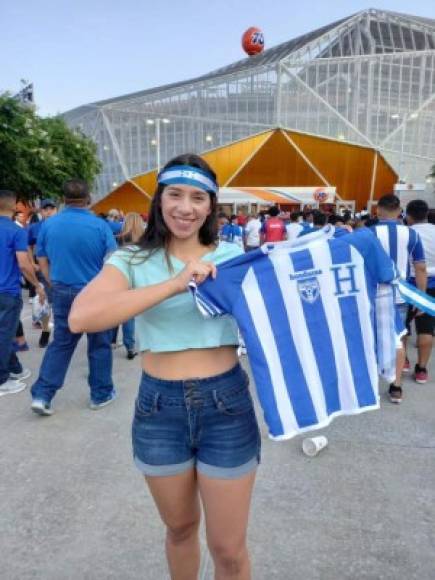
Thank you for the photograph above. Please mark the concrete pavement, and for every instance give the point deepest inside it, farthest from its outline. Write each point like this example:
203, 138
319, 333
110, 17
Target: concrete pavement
73, 507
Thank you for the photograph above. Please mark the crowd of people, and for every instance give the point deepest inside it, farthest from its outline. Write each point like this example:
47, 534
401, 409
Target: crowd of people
250, 231
194, 432
408, 237
73, 253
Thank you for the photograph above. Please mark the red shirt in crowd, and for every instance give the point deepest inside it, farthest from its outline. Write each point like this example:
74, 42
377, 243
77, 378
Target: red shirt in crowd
273, 230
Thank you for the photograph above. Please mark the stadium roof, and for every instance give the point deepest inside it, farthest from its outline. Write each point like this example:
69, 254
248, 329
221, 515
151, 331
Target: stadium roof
277, 53
367, 80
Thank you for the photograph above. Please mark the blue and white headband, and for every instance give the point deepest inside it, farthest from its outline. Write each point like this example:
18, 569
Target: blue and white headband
188, 175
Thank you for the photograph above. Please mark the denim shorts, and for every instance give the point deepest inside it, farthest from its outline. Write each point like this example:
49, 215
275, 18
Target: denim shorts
424, 323
207, 423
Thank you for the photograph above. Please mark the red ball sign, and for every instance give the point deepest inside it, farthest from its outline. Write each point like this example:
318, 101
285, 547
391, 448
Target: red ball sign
253, 41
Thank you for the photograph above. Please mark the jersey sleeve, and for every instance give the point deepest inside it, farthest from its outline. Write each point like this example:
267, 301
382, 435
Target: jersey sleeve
121, 260
20, 240
217, 297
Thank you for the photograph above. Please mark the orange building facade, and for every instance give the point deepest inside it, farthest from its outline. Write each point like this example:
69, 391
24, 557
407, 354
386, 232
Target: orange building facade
278, 158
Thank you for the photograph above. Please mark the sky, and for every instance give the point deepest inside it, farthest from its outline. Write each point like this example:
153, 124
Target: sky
79, 51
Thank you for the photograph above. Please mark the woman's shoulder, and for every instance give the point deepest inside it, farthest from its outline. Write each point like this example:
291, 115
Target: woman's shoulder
126, 251
132, 254
138, 265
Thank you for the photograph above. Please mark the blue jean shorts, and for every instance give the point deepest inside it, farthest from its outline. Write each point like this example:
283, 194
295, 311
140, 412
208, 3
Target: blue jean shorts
207, 423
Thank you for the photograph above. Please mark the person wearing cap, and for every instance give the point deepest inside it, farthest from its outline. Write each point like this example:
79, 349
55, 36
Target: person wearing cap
48, 209
195, 435
70, 248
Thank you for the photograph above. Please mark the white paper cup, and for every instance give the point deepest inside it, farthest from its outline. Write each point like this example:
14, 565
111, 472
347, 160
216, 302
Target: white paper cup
313, 445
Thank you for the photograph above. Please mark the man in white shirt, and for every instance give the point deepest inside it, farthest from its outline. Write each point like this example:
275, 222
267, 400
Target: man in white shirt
416, 217
294, 228
252, 233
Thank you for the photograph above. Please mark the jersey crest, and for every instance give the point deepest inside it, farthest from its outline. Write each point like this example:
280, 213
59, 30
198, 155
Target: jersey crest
309, 289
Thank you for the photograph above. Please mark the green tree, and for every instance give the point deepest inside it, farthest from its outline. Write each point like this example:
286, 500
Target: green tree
38, 154
432, 172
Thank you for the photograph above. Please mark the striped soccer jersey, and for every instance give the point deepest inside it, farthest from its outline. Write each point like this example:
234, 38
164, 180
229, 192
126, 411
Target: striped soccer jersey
306, 313
402, 244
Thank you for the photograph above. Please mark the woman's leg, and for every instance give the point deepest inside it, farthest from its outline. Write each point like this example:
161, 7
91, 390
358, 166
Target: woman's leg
226, 507
177, 500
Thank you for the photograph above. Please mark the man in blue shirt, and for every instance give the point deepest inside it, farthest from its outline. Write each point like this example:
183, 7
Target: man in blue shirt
71, 247
14, 262
232, 232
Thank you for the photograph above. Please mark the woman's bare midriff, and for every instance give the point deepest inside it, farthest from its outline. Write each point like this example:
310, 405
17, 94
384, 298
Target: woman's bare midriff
189, 364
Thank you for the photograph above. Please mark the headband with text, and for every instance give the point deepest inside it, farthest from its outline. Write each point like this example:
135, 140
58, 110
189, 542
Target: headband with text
188, 175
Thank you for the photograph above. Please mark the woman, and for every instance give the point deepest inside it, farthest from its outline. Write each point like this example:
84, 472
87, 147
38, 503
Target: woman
195, 436
132, 230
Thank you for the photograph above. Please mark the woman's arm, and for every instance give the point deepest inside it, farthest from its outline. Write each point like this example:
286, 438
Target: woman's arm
107, 301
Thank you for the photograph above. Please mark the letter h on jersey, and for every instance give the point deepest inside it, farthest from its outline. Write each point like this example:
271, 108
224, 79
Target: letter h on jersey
344, 277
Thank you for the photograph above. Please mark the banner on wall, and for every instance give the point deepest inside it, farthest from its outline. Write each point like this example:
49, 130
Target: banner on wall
277, 195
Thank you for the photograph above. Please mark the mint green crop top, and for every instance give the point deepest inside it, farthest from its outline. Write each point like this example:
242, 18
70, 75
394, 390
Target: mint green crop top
174, 324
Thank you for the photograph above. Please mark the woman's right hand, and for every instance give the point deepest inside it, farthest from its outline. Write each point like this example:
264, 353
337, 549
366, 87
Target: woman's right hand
196, 270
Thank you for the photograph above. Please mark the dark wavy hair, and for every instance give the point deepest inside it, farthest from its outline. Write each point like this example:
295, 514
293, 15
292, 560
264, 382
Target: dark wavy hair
157, 235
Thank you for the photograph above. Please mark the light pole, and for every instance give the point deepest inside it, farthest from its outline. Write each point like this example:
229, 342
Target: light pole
157, 122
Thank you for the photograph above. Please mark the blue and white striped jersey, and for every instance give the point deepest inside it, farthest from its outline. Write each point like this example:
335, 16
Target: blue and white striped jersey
402, 244
306, 313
